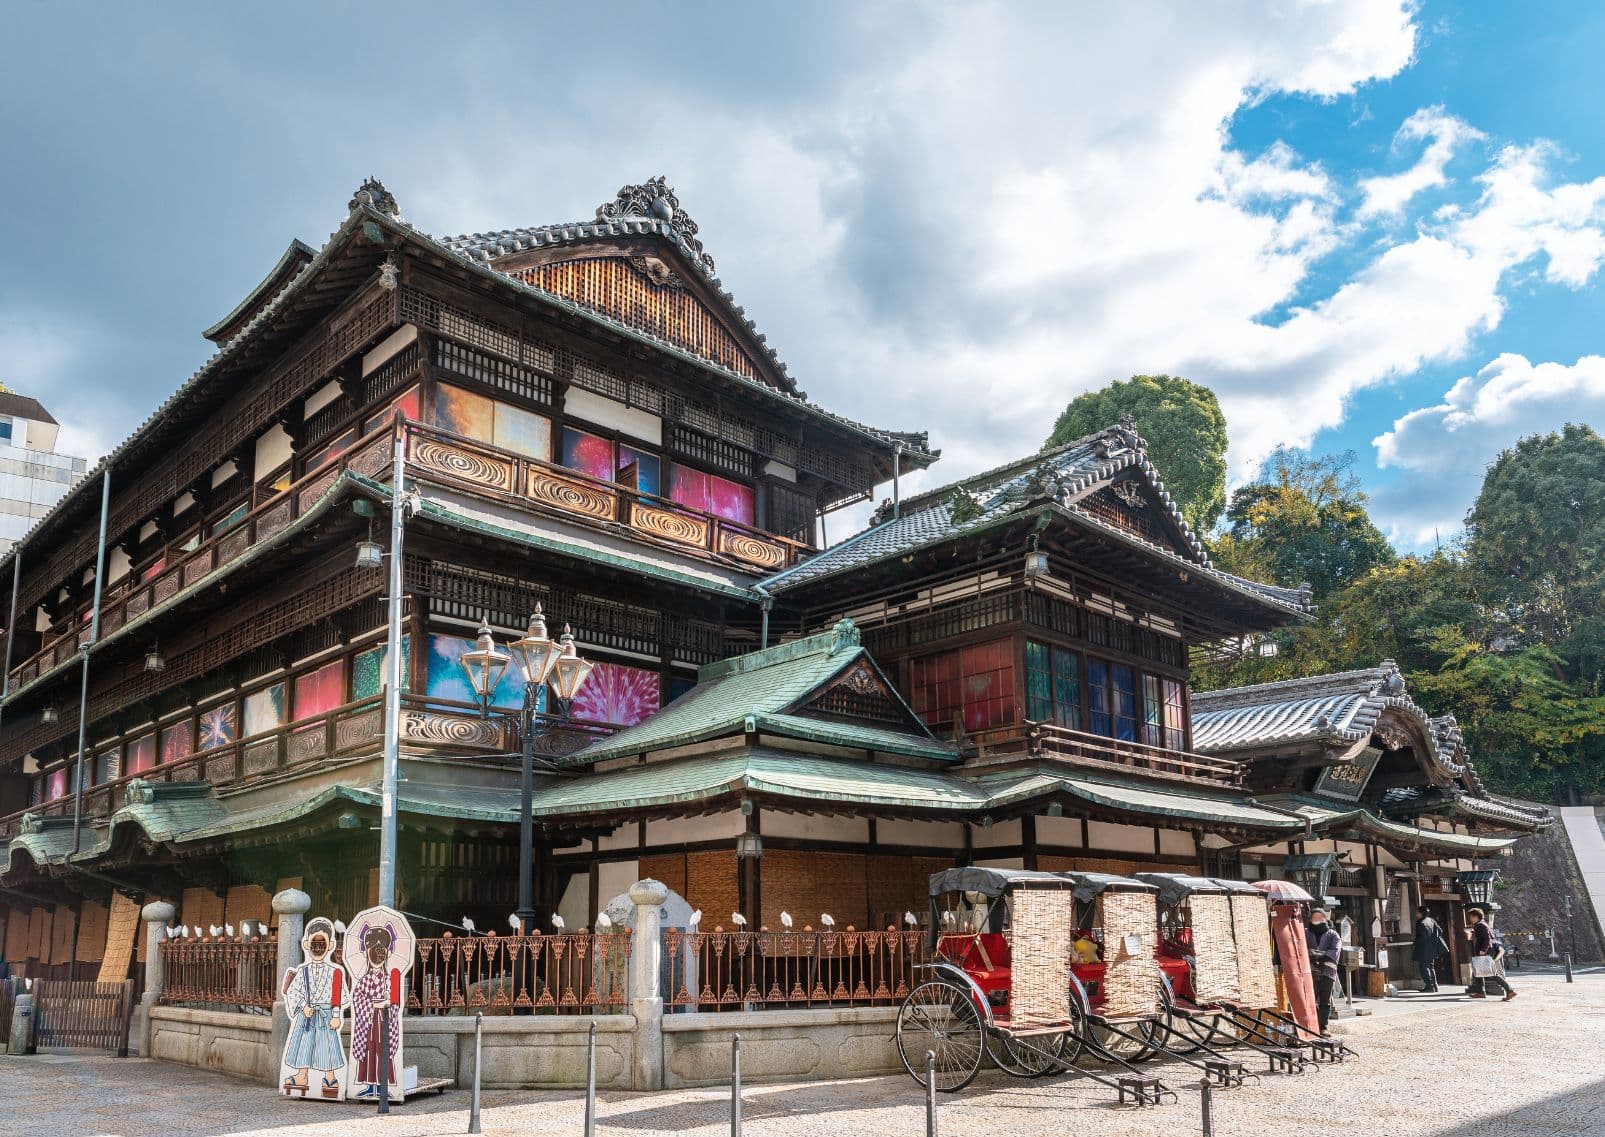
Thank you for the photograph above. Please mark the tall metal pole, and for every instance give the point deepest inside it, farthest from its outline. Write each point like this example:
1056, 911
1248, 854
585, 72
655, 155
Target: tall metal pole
83, 686
479, 1037
392, 743
526, 820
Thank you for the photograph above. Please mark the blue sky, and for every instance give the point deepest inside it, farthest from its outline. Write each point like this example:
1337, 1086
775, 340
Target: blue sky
1368, 225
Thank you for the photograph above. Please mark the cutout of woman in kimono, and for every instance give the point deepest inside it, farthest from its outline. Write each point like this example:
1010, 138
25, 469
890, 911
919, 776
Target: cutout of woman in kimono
314, 994
374, 1041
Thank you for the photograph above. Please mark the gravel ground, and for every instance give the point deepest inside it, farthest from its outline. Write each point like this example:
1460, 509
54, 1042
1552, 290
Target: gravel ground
1439, 1066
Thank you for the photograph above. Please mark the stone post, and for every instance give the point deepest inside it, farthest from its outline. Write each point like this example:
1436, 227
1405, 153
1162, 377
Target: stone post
157, 915
291, 907
646, 1000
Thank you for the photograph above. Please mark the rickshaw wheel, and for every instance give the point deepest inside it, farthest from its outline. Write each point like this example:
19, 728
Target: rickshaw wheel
1194, 1032
1020, 1061
941, 1017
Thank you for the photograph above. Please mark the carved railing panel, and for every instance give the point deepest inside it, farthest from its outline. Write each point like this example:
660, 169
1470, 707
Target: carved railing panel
571, 495
755, 550
671, 525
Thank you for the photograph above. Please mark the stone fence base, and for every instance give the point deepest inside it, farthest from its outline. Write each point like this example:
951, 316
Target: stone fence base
548, 1052
848, 1042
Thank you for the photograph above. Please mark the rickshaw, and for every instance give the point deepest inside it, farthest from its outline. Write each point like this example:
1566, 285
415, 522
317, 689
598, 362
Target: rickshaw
1018, 977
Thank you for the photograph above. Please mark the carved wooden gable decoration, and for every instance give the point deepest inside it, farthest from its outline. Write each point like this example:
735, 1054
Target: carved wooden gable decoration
1130, 503
860, 693
645, 291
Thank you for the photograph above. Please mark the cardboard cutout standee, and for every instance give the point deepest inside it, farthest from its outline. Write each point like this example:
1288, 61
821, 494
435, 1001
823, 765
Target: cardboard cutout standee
378, 953
314, 995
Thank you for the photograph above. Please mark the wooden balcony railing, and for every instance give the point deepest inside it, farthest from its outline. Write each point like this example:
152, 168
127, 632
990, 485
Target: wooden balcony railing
129, 600
1047, 740
435, 724
440, 455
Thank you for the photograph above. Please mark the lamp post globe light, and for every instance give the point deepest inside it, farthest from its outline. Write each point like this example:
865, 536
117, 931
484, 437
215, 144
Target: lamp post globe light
542, 662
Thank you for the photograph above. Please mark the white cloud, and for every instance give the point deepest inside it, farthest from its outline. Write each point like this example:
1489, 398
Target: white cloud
1445, 448
1444, 135
40, 351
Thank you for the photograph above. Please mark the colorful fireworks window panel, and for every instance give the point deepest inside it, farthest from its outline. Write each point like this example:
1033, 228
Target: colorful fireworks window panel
319, 692
58, 785
264, 710
406, 403
523, 432
333, 450
178, 741
590, 454
465, 413
108, 763
710, 493
219, 726
617, 694
142, 754
446, 678
368, 669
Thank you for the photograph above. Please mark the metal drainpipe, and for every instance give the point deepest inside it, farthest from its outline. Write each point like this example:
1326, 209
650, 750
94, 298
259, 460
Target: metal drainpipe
897, 465
764, 605
88, 645
392, 735
11, 627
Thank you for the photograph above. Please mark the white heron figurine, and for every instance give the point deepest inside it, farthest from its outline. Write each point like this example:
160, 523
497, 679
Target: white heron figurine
738, 919
785, 920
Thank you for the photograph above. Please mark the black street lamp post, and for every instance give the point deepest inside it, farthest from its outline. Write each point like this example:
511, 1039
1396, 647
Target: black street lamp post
544, 662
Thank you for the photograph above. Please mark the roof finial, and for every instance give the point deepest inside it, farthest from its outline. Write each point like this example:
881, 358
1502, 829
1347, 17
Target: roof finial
655, 199
372, 193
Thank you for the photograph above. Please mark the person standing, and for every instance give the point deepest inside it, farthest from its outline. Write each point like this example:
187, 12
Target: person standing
1487, 959
1429, 945
1326, 948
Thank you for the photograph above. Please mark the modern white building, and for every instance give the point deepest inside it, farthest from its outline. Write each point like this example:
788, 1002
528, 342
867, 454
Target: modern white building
33, 476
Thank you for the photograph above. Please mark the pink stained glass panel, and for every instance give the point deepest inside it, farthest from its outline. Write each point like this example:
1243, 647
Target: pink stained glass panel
731, 500
617, 694
57, 786
178, 741
688, 487
320, 691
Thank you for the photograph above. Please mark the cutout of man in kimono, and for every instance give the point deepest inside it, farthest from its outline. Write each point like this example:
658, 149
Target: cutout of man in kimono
376, 1036
314, 994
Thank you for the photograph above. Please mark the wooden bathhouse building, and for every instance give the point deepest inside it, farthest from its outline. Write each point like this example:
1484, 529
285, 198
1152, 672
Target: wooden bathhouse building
580, 416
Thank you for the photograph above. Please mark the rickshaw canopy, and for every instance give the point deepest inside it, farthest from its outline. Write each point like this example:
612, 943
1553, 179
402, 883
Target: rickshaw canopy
1175, 887
993, 883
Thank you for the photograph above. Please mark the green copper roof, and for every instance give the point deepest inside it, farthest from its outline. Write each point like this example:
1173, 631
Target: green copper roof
776, 773
1329, 818
1155, 801
758, 692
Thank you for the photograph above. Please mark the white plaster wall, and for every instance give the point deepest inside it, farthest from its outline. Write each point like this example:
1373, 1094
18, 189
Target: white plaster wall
621, 838
614, 415
117, 564
1000, 862
388, 346
814, 827
614, 878
575, 903
321, 398
1059, 831
941, 836
1176, 842
683, 830
1104, 835
272, 451
991, 837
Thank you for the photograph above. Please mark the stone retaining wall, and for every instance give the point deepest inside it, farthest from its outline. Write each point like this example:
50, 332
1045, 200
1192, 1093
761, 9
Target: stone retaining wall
846, 1042
527, 1052
215, 1040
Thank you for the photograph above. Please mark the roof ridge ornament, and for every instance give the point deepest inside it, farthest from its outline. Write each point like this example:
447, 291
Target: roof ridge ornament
655, 199
373, 194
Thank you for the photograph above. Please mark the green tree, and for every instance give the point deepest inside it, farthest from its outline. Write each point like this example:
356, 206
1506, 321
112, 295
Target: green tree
1183, 426
1536, 544
1303, 521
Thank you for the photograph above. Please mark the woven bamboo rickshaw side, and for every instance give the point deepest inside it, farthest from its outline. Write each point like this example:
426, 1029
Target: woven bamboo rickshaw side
1043, 927
1252, 932
1217, 976
1131, 978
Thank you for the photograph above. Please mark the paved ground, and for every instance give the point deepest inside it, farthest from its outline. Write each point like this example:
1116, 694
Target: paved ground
1428, 1066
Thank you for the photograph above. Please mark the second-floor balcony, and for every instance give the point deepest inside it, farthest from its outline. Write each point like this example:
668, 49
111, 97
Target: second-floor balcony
1048, 741
436, 457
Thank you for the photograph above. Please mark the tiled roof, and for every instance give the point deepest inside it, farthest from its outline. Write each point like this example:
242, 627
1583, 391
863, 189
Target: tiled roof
1330, 819
1339, 708
805, 778
1189, 805
759, 692
1057, 477
1412, 801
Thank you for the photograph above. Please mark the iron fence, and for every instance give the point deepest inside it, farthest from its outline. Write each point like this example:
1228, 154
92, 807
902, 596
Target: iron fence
220, 973
568, 973
719, 970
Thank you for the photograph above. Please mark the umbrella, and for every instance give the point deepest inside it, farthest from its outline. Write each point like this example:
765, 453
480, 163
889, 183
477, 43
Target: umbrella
1283, 890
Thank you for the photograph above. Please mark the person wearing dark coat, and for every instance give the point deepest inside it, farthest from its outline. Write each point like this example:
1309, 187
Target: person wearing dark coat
1326, 948
1484, 943
1430, 944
